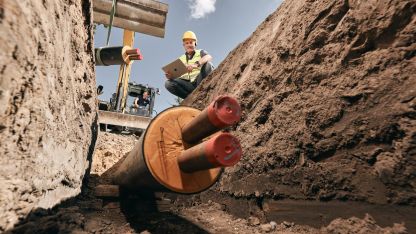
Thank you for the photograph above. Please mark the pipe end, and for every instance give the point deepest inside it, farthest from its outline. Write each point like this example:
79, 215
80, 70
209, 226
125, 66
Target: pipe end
223, 150
224, 111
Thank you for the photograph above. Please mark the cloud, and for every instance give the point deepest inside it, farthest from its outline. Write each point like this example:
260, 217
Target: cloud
200, 8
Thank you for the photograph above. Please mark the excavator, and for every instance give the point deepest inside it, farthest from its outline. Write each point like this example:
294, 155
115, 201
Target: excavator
128, 119
141, 16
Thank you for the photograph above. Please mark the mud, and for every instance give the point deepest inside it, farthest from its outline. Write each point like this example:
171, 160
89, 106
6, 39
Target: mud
47, 103
328, 93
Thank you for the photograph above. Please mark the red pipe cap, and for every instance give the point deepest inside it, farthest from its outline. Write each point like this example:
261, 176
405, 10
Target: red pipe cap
140, 54
223, 150
224, 111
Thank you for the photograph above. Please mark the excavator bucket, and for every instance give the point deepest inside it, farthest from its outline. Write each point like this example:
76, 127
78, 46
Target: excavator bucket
125, 120
143, 16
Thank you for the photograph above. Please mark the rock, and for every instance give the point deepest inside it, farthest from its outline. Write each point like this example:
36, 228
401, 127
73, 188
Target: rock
112, 205
287, 224
253, 221
96, 204
92, 224
366, 225
266, 227
273, 224
107, 222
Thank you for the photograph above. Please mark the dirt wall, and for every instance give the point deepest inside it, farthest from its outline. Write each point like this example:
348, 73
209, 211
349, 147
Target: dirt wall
328, 92
47, 103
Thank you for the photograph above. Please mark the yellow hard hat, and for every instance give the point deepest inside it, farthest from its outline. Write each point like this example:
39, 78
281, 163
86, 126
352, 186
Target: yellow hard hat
189, 35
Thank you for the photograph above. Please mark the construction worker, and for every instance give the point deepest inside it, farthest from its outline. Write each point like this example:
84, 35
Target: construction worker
141, 101
140, 104
198, 64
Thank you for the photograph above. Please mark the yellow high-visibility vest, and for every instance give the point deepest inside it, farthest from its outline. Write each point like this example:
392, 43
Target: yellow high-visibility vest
191, 76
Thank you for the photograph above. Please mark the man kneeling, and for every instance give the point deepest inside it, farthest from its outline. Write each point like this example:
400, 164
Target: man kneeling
197, 62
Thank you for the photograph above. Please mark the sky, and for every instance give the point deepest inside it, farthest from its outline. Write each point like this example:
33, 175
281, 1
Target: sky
220, 25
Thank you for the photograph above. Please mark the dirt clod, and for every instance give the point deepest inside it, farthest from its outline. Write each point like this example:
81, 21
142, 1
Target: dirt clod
253, 221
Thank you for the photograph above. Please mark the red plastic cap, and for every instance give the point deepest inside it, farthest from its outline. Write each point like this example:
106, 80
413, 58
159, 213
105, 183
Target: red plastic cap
224, 111
140, 54
223, 150
133, 51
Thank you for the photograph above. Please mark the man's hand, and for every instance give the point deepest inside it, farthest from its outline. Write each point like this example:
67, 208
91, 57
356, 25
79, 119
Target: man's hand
191, 67
168, 75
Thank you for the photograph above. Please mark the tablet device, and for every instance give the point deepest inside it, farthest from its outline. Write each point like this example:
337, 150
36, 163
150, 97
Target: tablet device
175, 68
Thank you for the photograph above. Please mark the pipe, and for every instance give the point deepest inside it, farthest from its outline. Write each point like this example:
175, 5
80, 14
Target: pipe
133, 171
133, 52
109, 56
136, 57
116, 55
161, 161
222, 150
144, 16
224, 111
132, 11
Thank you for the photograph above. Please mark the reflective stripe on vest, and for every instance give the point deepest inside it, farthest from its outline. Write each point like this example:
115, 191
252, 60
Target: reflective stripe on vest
191, 76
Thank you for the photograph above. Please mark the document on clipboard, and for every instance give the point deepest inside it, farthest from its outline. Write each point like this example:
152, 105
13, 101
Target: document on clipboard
176, 68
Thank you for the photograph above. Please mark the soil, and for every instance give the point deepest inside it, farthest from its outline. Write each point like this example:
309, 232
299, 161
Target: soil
147, 212
328, 94
47, 104
328, 128
110, 149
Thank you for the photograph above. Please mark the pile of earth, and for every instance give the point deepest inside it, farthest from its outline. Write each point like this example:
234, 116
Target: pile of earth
47, 104
109, 149
328, 96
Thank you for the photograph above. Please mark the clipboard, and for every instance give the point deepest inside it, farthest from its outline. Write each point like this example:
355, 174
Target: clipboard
175, 68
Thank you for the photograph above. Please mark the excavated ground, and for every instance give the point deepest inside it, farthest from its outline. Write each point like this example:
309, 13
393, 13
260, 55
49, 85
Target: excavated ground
156, 213
47, 103
328, 93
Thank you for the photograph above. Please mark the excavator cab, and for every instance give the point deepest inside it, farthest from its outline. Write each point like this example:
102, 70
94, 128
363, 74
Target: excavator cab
135, 91
132, 119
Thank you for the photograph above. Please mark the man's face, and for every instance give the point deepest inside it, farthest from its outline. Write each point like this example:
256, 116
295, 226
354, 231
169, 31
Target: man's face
189, 45
145, 95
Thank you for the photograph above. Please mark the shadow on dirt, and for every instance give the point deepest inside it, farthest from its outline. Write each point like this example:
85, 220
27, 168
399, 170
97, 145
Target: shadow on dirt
152, 212
132, 212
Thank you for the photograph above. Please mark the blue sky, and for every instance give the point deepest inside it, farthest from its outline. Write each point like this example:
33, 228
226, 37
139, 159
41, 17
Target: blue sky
219, 25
